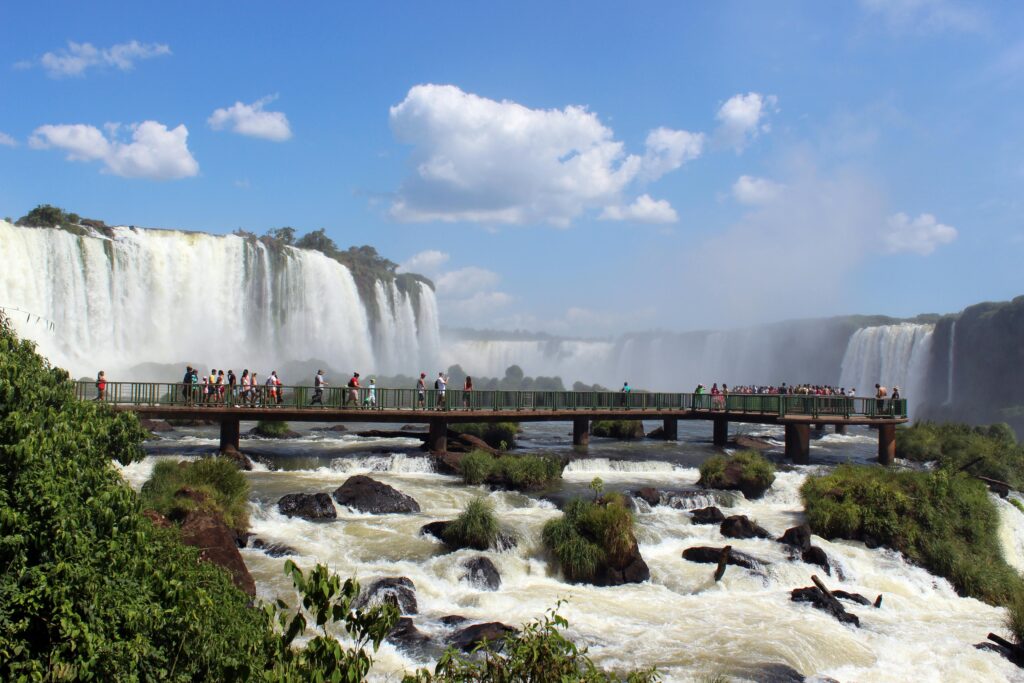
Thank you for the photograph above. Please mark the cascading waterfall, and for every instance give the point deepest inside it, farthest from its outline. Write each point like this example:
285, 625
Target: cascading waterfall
949, 369
136, 296
890, 355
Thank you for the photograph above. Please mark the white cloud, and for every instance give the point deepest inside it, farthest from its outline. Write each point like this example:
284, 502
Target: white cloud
644, 210
427, 262
752, 190
669, 149
154, 152
7, 141
252, 120
461, 311
927, 16
477, 159
740, 119
78, 57
465, 281
919, 235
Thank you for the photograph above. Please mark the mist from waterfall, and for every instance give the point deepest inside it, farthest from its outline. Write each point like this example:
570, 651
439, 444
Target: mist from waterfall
890, 355
164, 296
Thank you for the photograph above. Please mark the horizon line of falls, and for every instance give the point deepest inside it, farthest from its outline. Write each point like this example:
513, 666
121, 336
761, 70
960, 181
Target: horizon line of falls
170, 297
890, 355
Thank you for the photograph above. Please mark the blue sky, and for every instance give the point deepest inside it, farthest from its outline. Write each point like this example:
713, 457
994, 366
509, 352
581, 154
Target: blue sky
575, 168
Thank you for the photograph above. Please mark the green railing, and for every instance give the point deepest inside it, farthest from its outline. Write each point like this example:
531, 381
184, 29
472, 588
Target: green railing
457, 400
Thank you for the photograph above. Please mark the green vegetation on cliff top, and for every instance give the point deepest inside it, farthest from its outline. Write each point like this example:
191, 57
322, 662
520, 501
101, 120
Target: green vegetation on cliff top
990, 451
518, 472
213, 484
746, 471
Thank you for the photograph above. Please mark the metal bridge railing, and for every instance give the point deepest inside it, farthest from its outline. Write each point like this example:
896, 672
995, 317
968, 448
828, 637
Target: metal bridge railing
457, 400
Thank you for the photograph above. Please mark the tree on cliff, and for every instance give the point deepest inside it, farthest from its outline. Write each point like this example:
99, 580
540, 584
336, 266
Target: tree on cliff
47, 216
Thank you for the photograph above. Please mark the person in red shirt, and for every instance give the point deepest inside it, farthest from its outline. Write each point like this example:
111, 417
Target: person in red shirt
353, 390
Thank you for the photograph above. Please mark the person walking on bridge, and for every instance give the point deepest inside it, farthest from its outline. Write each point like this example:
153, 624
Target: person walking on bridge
319, 382
186, 386
880, 394
101, 386
353, 391
440, 384
625, 391
421, 390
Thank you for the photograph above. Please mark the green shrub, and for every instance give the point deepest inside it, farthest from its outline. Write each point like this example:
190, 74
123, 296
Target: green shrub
519, 472
946, 523
590, 534
495, 434
216, 479
746, 471
272, 429
539, 652
990, 451
476, 527
618, 429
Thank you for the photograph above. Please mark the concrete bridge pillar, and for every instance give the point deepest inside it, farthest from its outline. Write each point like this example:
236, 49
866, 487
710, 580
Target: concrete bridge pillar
229, 431
670, 426
886, 443
721, 433
841, 429
580, 431
798, 443
437, 439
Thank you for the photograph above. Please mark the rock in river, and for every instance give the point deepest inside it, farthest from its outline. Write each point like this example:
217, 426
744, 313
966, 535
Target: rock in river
369, 495
307, 506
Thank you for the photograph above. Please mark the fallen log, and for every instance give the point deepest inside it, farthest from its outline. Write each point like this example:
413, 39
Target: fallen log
1015, 652
723, 562
1001, 488
821, 586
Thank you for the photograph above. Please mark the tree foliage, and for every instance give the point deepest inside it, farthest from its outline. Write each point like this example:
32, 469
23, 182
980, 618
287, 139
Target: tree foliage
48, 216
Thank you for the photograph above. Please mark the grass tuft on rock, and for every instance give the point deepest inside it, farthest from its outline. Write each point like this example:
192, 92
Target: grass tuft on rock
746, 471
495, 434
944, 522
625, 430
990, 451
213, 484
272, 429
590, 534
518, 472
476, 527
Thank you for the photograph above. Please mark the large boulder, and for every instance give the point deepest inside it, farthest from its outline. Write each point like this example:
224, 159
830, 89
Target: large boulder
709, 555
273, 549
482, 573
407, 637
435, 529
799, 537
369, 495
708, 515
649, 495
815, 555
216, 542
468, 638
311, 506
631, 568
740, 526
236, 456
398, 590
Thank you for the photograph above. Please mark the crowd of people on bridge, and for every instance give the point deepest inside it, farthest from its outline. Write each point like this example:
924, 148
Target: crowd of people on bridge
719, 395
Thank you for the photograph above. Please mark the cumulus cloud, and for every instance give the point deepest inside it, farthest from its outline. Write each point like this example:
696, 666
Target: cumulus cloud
926, 16
644, 210
6, 140
742, 118
477, 159
669, 149
752, 190
427, 262
470, 309
919, 235
77, 58
153, 152
252, 120
463, 281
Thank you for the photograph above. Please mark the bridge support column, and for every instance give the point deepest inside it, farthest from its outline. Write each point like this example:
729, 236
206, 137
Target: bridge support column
798, 443
841, 429
886, 443
581, 432
437, 439
670, 427
721, 433
229, 431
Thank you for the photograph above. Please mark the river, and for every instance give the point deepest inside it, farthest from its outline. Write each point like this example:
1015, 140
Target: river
680, 621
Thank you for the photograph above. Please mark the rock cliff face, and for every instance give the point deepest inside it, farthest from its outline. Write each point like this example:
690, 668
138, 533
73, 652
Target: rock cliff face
976, 370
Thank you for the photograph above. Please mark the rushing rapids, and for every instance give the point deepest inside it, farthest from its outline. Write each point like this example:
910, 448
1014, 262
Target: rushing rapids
681, 620
130, 296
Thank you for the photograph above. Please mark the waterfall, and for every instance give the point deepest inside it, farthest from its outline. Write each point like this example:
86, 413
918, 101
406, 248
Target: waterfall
132, 296
949, 369
890, 355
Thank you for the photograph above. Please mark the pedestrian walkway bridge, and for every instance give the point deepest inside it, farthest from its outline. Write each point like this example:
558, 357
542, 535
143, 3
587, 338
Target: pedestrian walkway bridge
797, 413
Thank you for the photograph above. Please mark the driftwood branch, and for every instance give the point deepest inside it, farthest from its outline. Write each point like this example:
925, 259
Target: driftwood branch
723, 562
821, 586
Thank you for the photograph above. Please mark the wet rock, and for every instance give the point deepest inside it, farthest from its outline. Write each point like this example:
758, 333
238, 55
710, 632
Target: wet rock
740, 526
631, 568
236, 456
691, 498
453, 620
815, 555
852, 597
467, 443
216, 543
435, 529
446, 463
798, 537
331, 428
273, 549
649, 495
287, 434
657, 433
756, 443
156, 426
819, 600
708, 515
414, 428
709, 555
397, 590
468, 638
733, 479
311, 506
770, 672
482, 573
506, 541
405, 636
369, 495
